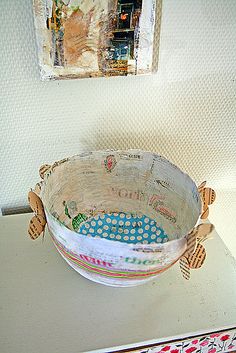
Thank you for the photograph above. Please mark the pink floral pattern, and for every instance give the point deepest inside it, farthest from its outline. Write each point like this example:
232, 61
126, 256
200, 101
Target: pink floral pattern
215, 335
217, 342
231, 346
195, 342
224, 338
110, 163
204, 343
191, 349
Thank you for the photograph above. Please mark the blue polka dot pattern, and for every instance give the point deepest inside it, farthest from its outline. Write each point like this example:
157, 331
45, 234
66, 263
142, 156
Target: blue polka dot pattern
124, 227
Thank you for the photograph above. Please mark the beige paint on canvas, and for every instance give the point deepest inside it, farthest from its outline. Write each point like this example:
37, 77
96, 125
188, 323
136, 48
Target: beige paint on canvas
81, 37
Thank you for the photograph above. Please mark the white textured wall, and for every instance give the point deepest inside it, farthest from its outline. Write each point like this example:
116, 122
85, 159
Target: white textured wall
186, 112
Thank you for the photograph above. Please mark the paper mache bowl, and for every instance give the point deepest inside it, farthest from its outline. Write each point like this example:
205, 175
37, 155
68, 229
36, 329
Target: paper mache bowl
121, 218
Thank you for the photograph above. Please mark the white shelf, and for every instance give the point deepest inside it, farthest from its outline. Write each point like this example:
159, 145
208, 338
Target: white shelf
47, 307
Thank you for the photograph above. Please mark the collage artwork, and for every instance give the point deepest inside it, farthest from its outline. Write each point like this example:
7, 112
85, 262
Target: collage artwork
96, 38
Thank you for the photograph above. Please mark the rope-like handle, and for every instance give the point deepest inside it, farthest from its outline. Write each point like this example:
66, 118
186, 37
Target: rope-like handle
195, 254
38, 222
208, 196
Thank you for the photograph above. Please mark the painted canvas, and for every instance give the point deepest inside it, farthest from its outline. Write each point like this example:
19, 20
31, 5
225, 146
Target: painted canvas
97, 38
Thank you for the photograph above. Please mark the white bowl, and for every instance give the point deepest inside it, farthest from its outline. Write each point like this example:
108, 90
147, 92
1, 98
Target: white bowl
119, 217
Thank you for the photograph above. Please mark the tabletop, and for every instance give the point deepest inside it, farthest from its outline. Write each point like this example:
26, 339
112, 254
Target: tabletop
46, 306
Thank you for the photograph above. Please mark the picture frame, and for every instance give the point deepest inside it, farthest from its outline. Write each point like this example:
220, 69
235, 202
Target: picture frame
97, 38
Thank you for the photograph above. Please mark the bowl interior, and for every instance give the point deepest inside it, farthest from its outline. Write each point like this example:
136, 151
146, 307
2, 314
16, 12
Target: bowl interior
128, 196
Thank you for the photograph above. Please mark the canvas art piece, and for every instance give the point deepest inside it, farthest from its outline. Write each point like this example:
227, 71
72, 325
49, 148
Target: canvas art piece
97, 38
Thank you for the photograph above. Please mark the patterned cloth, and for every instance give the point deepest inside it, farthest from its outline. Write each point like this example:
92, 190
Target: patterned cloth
124, 227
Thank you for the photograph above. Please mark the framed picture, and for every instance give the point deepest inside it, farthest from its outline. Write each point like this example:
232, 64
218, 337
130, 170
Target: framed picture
97, 38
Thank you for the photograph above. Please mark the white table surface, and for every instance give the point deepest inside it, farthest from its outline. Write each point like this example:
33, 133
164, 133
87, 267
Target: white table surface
45, 306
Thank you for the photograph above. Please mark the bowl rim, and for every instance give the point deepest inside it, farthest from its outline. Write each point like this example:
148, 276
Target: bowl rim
106, 151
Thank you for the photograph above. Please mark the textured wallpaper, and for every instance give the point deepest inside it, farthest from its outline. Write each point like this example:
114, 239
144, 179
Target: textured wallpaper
186, 112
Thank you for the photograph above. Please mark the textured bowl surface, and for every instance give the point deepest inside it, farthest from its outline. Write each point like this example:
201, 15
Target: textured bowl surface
119, 217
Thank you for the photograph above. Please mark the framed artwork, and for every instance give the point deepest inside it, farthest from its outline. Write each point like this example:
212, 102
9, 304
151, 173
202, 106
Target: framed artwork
97, 38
